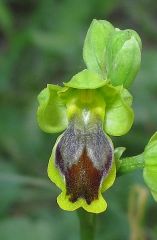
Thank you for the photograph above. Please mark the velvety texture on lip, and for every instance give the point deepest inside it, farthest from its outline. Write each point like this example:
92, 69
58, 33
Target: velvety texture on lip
84, 157
83, 180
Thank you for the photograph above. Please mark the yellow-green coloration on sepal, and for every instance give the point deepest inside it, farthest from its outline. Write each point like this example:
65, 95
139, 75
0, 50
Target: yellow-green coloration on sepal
86, 80
51, 114
111, 104
119, 115
150, 168
96, 206
95, 46
124, 57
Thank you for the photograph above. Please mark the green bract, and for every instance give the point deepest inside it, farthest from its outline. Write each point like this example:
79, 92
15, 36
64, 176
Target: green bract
91, 105
150, 169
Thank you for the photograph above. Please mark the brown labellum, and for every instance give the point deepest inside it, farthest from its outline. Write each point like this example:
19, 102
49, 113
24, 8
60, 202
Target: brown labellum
84, 157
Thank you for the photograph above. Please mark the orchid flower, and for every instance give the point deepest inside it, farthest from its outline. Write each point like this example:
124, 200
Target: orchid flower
88, 110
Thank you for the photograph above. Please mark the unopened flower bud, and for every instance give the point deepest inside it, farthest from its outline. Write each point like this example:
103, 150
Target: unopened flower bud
124, 57
150, 168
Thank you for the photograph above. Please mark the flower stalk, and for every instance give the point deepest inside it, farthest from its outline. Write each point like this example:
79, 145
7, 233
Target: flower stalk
129, 164
87, 225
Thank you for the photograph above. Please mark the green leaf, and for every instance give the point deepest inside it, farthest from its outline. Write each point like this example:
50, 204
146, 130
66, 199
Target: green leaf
51, 114
124, 57
150, 169
86, 80
94, 50
119, 115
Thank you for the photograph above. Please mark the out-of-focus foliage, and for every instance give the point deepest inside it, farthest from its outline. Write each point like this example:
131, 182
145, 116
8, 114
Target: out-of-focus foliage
41, 42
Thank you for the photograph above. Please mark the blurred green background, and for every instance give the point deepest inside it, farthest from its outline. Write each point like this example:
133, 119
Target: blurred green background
41, 42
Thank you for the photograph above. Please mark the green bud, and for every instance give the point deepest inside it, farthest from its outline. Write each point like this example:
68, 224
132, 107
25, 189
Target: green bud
95, 46
124, 57
150, 169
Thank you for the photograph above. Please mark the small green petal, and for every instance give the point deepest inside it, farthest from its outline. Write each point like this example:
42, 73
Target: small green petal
119, 115
86, 80
94, 50
118, 152
150, 169
51, 114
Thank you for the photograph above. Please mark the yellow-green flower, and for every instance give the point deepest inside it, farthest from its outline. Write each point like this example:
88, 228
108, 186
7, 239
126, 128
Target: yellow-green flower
82, 161
88, 108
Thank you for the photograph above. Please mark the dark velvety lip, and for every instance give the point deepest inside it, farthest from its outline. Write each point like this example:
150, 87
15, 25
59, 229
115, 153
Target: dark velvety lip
84, 157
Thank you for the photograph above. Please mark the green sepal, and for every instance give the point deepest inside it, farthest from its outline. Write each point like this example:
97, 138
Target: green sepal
119, 114
97, 206
51, 113
95, 45
86, 80
150, 169
124, 57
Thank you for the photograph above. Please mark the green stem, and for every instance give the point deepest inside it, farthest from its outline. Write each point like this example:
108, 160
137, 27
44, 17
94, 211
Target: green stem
87, 225
129, 164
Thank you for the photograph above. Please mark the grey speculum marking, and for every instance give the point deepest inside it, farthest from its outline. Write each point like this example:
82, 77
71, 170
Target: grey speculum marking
84, 157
